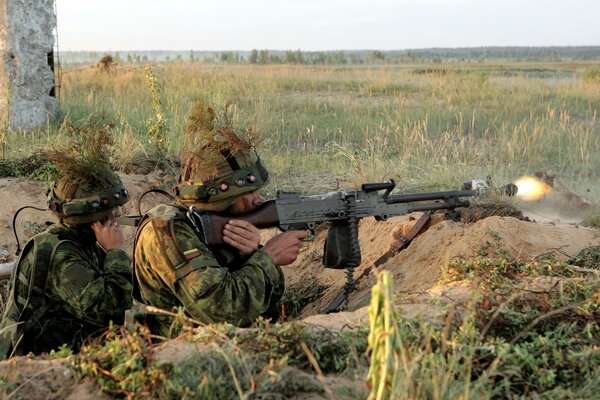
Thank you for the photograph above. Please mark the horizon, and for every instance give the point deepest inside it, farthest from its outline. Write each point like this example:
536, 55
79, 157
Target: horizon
332, 50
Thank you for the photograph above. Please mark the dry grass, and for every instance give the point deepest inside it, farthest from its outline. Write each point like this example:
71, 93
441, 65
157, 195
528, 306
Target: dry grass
429, 130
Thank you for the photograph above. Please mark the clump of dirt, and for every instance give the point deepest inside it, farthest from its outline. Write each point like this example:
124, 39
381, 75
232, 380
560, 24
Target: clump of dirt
481, 211
281, 383
32, 378
593, 221
25, 166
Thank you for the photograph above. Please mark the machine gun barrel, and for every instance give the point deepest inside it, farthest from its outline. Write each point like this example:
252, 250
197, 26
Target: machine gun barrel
413, 197
438, 206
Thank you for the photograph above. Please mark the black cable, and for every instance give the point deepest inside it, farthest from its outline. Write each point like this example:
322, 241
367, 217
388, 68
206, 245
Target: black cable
154, 190
15, 226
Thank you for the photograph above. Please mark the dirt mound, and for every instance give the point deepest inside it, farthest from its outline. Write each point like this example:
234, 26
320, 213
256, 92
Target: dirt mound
419, 267
31, 378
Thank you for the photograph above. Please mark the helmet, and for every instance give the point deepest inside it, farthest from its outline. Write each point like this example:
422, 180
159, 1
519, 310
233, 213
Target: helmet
218, 183
76, 201
218, 163
217, 179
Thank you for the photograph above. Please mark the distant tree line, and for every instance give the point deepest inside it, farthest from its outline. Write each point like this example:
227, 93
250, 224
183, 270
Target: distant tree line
296, 57
264, 56
419, 55
512, 53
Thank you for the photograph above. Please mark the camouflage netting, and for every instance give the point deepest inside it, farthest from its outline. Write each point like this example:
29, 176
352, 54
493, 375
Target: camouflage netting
207, 136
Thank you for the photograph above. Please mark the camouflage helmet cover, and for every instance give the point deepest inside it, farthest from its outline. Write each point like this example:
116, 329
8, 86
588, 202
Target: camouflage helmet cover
87, 188
75, 201
218, 166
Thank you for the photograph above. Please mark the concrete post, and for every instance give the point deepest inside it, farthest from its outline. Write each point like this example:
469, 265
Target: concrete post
26, 76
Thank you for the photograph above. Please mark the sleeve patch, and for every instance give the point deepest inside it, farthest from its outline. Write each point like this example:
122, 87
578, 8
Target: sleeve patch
191, 253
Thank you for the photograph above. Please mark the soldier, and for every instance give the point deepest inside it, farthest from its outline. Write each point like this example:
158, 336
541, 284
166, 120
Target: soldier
73, 279
173, 267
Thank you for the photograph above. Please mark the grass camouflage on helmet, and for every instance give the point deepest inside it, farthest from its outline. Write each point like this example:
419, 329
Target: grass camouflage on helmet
87, 188
219, 162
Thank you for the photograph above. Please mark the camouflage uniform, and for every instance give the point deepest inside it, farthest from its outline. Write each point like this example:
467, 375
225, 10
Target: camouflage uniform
65, 286
174, 268
85, 288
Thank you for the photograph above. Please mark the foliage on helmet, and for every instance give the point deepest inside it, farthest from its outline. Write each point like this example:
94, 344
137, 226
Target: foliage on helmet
219, 161
87, 189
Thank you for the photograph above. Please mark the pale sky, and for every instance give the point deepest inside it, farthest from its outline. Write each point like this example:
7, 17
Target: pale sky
324, 24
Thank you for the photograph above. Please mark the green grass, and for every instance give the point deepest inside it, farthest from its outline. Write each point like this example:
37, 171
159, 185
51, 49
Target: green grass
511, 340
224, 362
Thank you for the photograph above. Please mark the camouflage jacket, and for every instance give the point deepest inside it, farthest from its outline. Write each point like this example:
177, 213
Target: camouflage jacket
173, 268
64, 288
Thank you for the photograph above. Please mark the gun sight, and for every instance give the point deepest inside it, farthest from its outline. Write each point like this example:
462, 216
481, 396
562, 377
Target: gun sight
373, 187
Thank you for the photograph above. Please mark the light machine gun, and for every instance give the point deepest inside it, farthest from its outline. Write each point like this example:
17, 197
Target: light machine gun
341, 210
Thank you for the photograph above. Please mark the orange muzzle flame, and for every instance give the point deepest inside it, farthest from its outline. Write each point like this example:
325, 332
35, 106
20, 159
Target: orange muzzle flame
531, 188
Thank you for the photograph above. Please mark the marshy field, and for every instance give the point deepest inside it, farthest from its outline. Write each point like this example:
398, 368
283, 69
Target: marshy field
492, 306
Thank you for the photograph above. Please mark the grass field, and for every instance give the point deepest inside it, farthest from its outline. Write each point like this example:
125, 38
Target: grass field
428, 126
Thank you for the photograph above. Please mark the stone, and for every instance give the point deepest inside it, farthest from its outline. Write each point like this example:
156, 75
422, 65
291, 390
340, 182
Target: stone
26, 78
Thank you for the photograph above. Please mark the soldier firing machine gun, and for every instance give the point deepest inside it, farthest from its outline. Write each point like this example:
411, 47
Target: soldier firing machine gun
341, 210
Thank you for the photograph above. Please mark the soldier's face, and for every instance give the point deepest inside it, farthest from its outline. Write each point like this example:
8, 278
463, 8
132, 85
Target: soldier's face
246, 203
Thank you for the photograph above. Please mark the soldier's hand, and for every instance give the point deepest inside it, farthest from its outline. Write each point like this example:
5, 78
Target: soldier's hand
242, 235
284, 247
109, 235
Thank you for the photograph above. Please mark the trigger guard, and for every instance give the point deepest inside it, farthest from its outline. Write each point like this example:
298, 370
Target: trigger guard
312, 233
